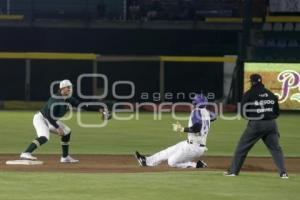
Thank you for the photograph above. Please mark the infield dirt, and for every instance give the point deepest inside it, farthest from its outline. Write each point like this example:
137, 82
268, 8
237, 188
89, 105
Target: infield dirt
128, 164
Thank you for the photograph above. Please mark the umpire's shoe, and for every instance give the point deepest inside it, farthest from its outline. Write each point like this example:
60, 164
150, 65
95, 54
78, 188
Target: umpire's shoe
228, 173
201, 164
284, 175
141, 159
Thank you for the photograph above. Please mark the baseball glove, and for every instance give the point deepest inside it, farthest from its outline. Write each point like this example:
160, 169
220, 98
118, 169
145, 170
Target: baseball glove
105, 114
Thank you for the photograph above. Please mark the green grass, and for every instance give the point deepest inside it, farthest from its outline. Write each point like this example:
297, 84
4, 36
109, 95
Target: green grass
152, 186
148, 136
145, 134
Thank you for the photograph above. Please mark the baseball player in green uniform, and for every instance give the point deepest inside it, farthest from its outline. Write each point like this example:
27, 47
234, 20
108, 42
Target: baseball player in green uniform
47, 120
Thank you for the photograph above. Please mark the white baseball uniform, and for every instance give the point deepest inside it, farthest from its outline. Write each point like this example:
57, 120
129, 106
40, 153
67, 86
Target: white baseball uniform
43, 127
185, 153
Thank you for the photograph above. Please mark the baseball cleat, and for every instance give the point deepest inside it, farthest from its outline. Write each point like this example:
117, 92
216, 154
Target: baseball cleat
141, 159
68, 159
27, 156
284, 175
201, 164
229, 174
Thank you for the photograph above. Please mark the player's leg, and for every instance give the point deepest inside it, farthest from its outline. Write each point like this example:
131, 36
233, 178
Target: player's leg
42, 131
163, 155
272, 142
65, 139
246, 142
65, 142
185, 156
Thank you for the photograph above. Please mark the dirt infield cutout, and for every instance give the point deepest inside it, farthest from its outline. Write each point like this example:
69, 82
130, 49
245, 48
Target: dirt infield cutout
128, 164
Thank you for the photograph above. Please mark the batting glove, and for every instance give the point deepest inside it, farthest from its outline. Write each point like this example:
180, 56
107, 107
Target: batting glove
178, 127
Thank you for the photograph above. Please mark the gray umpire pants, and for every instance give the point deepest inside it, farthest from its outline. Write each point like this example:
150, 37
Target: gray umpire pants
267, 131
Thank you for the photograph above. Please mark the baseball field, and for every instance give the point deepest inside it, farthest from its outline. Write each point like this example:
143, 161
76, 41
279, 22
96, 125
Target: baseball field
108, 170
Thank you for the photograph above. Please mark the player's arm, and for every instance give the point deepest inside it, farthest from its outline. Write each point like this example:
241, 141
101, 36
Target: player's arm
106, 114
52, 122
50, 112
193, 129
76, 103
196, 128
245, 100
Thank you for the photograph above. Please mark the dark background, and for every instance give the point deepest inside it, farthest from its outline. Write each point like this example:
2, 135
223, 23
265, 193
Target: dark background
180, 77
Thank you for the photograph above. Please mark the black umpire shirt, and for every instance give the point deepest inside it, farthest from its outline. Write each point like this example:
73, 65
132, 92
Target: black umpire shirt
259, 103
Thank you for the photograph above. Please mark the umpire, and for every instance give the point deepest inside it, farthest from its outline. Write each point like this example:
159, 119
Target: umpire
260, 107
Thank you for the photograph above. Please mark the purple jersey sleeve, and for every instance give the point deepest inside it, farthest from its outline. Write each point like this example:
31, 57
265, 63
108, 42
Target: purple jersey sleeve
196, 117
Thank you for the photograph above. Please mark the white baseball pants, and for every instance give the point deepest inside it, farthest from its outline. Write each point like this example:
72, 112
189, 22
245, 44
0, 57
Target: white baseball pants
181, 155
43, 126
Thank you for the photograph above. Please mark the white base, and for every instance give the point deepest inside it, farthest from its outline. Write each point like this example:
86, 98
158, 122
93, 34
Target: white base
24, 162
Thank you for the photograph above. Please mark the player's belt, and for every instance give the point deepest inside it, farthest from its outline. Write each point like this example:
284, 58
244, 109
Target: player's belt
191, 142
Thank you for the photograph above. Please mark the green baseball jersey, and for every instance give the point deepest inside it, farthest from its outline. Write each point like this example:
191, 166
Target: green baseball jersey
56, 107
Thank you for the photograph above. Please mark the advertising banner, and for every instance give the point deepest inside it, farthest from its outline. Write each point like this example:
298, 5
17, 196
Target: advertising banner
283, 79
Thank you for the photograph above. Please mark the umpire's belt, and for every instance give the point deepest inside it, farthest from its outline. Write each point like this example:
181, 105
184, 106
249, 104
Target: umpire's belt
191, 142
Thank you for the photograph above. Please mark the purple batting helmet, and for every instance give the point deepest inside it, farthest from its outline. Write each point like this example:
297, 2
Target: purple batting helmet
200, 100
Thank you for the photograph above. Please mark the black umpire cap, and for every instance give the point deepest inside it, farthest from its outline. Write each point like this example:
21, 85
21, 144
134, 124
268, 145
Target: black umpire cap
255, 78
